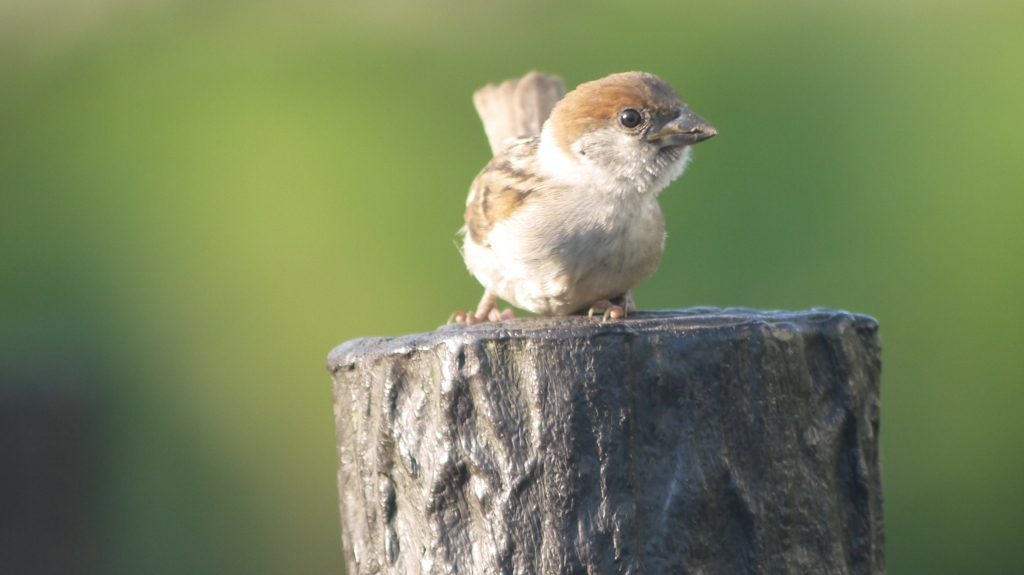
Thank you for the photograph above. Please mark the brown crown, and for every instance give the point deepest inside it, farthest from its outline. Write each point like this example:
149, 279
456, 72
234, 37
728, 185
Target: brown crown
595, 104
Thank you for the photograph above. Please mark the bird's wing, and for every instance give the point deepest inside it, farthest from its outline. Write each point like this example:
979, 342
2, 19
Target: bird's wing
517, 108
504, 186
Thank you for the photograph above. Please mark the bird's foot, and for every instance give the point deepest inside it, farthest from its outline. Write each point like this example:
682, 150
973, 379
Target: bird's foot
464, 317
486, 311
496, 315
611, 311
469, 317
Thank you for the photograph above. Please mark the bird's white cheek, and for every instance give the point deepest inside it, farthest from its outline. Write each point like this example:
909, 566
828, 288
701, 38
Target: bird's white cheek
552, 159
579, 150
569, 168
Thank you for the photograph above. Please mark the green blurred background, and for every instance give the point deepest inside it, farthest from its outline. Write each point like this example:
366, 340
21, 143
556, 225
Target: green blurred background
198, 200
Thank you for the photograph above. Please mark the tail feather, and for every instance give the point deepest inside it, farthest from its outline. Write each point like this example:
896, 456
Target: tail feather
517, 108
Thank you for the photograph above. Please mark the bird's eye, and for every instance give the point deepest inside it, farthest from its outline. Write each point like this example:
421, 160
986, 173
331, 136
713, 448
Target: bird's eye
630, 118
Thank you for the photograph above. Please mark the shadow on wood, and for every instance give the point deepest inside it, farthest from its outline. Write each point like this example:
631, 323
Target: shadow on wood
694, 441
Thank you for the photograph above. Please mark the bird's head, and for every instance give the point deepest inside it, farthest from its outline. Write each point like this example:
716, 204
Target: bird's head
631, 126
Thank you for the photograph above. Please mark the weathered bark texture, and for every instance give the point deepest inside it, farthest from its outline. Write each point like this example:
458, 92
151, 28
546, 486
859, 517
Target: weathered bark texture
698, 441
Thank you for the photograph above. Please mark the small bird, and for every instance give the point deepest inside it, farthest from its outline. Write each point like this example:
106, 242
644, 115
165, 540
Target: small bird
565, 217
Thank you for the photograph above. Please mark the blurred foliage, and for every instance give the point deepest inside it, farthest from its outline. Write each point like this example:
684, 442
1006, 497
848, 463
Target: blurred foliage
199, 200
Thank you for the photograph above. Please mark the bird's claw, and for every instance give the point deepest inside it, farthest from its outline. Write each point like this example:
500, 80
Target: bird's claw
611, 311
469, 318
496, 315
460, 317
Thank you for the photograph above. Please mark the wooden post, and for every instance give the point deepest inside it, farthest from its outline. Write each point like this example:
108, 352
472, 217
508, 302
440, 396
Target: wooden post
694, 441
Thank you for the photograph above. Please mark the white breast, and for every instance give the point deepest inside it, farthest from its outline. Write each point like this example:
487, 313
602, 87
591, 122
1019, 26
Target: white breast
587, 236
560, 256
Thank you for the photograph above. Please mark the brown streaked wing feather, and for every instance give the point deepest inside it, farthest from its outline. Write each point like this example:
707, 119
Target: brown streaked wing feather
502, 187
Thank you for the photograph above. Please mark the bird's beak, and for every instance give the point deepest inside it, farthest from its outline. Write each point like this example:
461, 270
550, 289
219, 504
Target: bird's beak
687, 129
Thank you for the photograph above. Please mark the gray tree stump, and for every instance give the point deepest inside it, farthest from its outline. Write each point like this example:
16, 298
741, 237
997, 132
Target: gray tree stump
697, 441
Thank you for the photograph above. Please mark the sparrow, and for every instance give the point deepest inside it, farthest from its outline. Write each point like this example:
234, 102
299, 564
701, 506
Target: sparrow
565, 217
